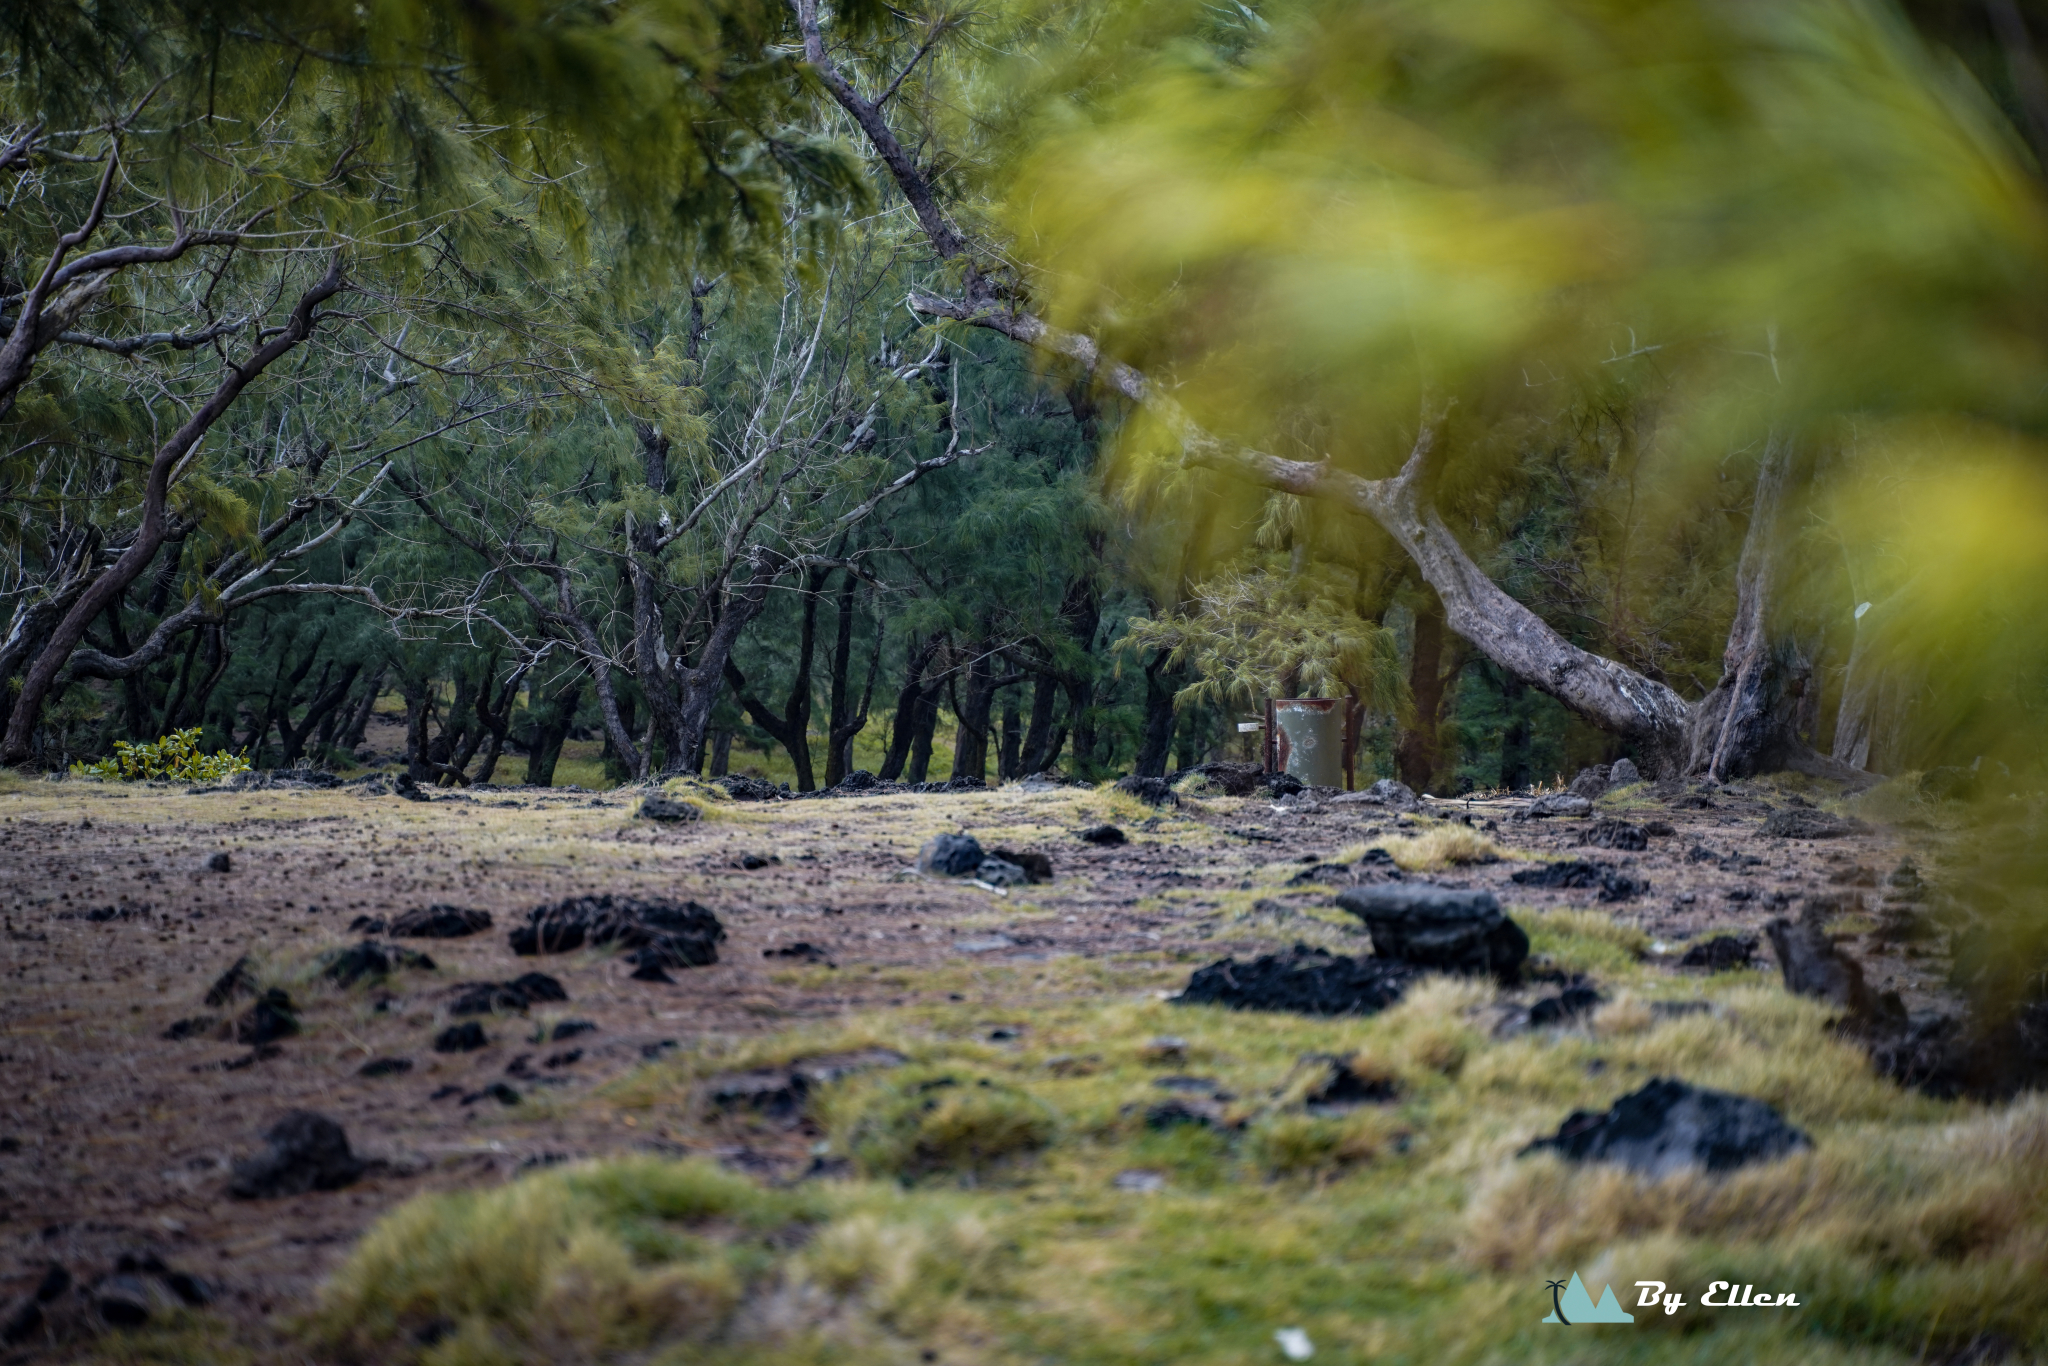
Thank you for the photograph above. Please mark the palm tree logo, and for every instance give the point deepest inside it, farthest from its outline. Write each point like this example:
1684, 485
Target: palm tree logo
1556, 1288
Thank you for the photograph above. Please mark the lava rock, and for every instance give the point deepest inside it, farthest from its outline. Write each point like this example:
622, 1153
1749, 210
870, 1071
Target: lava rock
780, 1093
1613, 834
1721, 953
497, 1091
1591, 781
1151, 791
466, 1037
1037, 867
1799, 823
238, 980
678, 934
808, 952
1611, 883
1439, 927
951, 856
28, 1315
439, 922
667, 810
1558, 804
1662, 829
1813, 966
385, 1067
1670, 1125
1233, 780
306, 1152
1337, 1085
1107, 836
371, 959
484, 998
1284, 785
220, 862
1623, 774
1305, 981
123, 1301
860, 780
191, 1027
367, 924
569, 1029
1001, 873
744, 789
272, 1017
1205, 1114
1564, 1007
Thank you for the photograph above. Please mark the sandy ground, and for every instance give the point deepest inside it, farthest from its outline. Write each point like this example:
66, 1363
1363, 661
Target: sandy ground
114, 1138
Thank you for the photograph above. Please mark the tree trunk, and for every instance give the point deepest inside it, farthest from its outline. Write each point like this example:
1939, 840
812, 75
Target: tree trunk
1039, 750
419, 704
1011, 750
1157, 743
908, 701
970, 744
791, 729
359, 717
551, 728
721, 754
322, 706
1514, 736
847, 719
924, 725
1417, 752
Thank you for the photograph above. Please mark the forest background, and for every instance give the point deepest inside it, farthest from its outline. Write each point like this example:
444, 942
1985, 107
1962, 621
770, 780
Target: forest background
725, 383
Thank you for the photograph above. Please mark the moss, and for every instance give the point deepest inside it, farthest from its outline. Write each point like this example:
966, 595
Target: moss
944, 1120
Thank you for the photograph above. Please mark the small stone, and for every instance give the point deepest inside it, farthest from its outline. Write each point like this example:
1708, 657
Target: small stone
667, 810
272, 1017
1720, 953
1623, 774
220, 862
1439, 927
1107, 836
1151, 791
1001, 873
1591, 781
1559, 804
1813, 966
238, 980
951, 856
1166, 1049
1037, 867
1305, 981
569, 1029
1670, 1125
1205, 1114
1562, 1008
190, 1027
1613, 834
123, 1301
1800, 824
463, 1038
307, 1152
385, 1067
439, 922
1139, 1180
497, 1091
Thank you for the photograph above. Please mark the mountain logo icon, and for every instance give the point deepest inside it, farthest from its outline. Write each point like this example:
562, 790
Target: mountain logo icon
1570, 1304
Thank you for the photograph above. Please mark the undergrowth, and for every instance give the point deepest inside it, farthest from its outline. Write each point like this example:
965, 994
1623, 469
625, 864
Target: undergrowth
1021, 1198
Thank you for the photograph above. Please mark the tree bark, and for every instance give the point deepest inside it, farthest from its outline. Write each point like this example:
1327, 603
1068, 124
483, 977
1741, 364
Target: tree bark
551, 728
1039, 752
1156, 746
791, 729
1417, 752
1010, 752
909, 700
847, 720
322, 706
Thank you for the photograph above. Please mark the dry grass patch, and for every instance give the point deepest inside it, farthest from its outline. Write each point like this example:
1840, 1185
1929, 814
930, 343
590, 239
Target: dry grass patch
1437, 848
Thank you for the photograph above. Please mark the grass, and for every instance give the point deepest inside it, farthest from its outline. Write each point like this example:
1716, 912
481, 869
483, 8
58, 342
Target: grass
1440, 846
984, 1223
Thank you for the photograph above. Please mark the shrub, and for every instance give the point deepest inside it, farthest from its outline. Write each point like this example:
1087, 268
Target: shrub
175, 756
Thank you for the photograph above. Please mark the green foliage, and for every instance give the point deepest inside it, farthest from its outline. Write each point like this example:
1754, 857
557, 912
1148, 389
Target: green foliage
175, 757
1254, 633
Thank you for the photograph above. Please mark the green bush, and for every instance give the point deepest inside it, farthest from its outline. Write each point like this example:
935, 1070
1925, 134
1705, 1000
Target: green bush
175, 756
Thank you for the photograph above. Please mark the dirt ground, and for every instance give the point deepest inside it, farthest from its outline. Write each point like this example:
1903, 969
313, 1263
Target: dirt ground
117, 1139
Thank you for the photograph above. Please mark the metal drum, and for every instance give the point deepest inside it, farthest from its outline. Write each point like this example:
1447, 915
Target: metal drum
1307, 738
